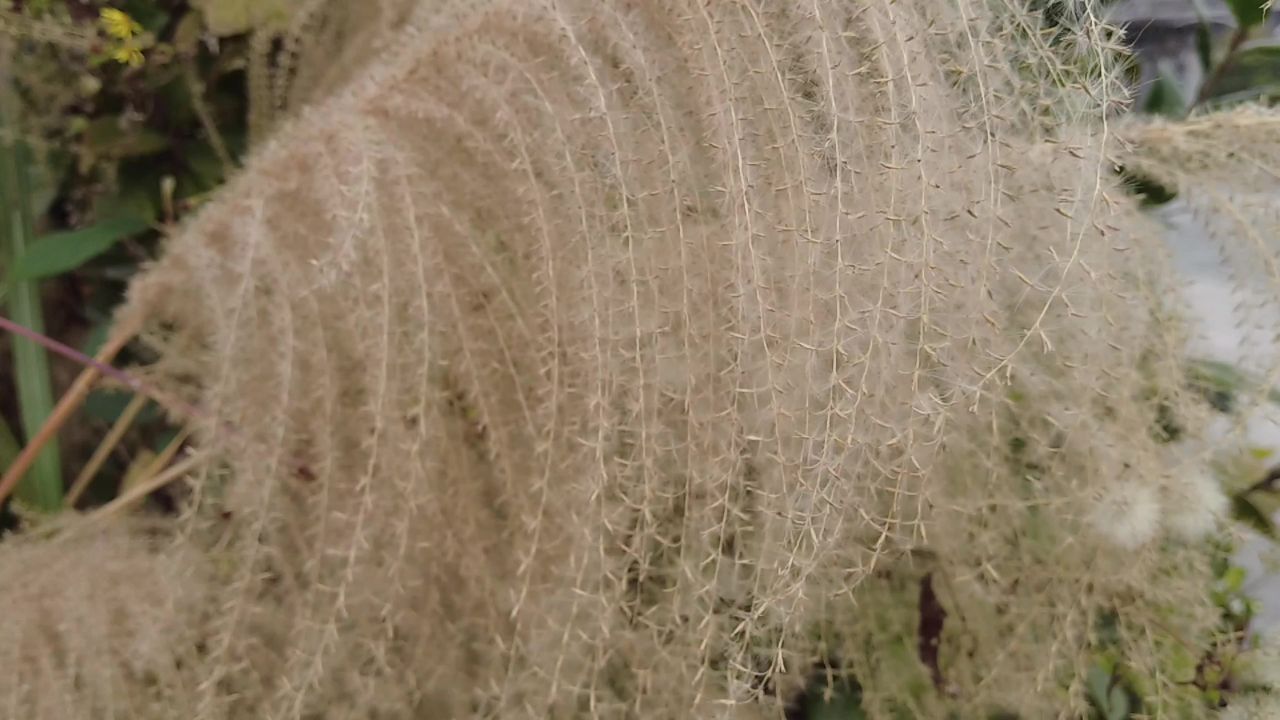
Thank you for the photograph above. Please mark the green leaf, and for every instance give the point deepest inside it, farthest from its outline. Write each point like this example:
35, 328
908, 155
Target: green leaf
1214, 376
845, 703
106, 406
163, 440
1117, 703
233, 17
149, 14
139, 191
97, 337
1248, 12
1233, 579
1244, 510
1254, 71
1204, 46
1097, 685
1182, 663
59, 252
173, 90
204, 171
1165, 99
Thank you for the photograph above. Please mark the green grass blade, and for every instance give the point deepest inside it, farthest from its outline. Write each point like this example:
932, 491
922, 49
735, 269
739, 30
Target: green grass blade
1226, 380
57, 253
41, 489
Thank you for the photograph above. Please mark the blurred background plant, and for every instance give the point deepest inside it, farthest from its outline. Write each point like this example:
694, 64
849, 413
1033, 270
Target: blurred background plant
118, 119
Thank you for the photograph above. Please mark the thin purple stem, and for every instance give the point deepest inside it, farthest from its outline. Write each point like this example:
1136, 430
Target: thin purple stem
102, 368
179, 406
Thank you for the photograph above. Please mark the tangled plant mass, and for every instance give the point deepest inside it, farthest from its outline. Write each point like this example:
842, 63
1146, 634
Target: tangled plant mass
625, 358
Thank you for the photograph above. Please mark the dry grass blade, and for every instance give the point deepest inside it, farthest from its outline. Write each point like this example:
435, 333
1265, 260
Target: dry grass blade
103, 451
148, 485
66, 406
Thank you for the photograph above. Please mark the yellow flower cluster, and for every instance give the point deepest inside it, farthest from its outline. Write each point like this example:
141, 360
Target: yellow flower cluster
125, 30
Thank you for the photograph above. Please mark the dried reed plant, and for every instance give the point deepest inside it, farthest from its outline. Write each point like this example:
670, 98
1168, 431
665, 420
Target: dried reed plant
609, 358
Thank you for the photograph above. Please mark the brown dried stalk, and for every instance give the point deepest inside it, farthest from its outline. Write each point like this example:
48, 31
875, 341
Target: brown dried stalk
65, 407
100, 454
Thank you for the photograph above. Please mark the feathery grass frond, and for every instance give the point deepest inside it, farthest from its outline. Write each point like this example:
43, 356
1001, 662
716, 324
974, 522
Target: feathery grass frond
642, 356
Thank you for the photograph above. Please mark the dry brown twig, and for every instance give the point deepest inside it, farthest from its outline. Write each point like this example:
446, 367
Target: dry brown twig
62, 412
103, 451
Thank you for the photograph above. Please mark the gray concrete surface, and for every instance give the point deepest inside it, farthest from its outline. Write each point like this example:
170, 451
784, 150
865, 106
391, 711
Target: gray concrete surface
1236, 317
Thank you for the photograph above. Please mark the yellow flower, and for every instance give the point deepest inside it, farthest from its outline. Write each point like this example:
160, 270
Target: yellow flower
128, 54
118, 24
